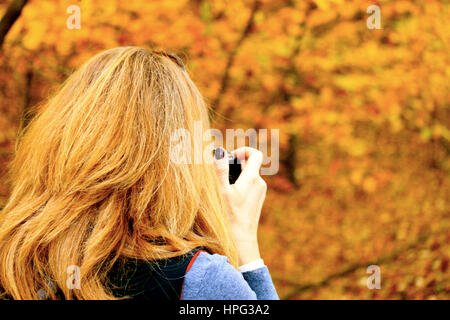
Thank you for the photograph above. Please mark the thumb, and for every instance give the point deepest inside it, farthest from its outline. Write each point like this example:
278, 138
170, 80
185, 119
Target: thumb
222, 167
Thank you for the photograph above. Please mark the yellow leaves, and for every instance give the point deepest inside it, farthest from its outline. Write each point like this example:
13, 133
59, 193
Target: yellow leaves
403, 6
402, 231
328, 4
350, 96
34, 37
356, 177
318, 18
396, 122
345, 30
323, 4
355, 148
331, 117
433, 8
369, 185
437, 131
269, 81
291, 18
87, 9
304, 102
353, 82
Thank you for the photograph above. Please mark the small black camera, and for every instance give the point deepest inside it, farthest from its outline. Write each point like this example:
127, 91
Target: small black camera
235, 166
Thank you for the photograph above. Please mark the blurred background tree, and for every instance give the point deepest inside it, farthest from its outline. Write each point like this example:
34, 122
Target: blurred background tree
364, 119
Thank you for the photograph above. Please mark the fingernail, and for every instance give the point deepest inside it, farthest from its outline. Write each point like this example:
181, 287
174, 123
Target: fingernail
219, 153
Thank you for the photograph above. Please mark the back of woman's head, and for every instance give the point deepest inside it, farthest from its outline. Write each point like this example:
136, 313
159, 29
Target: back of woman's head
92, 178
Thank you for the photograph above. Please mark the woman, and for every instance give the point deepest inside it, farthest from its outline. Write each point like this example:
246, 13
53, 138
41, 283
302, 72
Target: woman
98, 210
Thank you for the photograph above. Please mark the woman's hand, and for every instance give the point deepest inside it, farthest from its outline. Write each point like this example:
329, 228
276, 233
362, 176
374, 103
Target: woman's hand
244, 199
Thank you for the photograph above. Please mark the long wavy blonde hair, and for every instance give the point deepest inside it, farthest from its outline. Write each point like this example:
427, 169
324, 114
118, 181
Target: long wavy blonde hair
92, 179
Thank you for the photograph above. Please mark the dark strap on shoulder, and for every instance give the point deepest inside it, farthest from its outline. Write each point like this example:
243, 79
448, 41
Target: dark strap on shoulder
155, 280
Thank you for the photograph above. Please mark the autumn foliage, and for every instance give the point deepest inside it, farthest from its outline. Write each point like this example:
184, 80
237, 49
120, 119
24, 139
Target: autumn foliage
363, 114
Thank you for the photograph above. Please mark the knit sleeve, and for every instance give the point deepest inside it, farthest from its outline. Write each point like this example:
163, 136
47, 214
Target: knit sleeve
211, 277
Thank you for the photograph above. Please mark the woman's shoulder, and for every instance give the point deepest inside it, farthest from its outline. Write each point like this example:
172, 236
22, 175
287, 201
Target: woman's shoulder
210, 261
211, 276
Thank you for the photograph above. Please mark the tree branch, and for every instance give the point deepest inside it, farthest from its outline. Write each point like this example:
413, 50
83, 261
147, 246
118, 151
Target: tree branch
12, 14
300, 288
230, 61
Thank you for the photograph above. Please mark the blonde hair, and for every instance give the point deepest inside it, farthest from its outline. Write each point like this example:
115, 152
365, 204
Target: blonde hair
92, 179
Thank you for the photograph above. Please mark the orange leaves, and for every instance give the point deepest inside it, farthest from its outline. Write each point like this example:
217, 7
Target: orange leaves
363, 118
369, 185
318, 18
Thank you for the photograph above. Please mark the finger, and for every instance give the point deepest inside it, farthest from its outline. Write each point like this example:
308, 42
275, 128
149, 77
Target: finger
251, 160
222, 167
242, 155
249, 157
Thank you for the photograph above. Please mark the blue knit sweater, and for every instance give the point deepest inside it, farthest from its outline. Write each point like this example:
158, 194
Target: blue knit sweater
211, 277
